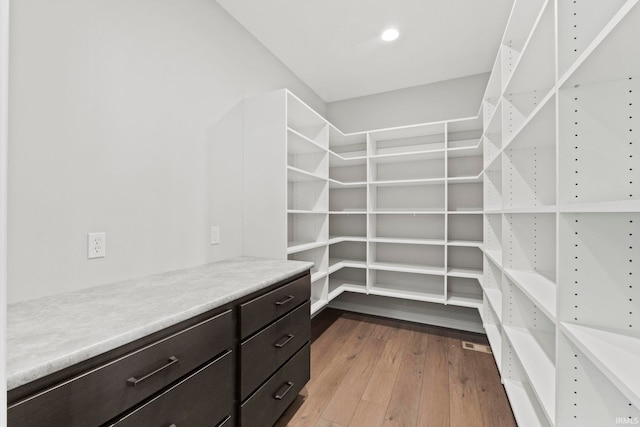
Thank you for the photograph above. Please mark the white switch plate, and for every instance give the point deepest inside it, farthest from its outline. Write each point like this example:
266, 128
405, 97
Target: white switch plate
215, 235
96, 245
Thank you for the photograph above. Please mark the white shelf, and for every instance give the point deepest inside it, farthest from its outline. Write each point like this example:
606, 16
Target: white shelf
434, 242
495, 256
338, 286
403, 182
526, 414
537, 287
594, 64
306, 211
296, 246
474, 150
356, 158
465, 212
602, 207
349, 212
616, 354
408, 156
529, 118
297, 143
465, 300
407, 212
465, 179
465, 243
494, 296
381, 290
334, 183
535, 66
495, 341
531, 210
298, 175
336, 264
469, 273
538, 366
317, 304
407, 268
339, 239
318, 276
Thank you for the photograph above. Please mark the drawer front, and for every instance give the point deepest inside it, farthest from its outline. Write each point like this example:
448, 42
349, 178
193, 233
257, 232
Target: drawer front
262, 310
275, 396
262, 354
204, 399
98, 395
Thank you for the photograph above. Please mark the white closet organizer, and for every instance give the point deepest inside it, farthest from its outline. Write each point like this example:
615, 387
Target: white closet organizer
393, 212
562, 212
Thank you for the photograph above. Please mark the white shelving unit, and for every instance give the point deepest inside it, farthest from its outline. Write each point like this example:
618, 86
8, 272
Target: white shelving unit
378, 212
529, 213
561, 203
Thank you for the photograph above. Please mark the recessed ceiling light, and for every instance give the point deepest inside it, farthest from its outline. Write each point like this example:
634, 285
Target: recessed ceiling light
390, 35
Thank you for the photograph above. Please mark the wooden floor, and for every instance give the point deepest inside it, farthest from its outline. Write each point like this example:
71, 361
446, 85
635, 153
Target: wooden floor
368, 371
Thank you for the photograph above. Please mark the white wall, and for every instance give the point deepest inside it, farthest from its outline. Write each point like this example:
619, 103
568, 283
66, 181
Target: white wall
4, 58
445, 100
125, 118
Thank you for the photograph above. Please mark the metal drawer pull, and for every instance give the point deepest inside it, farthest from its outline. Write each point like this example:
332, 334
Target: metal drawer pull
287, 338
223, 422
133, 381
286, 300
280, 396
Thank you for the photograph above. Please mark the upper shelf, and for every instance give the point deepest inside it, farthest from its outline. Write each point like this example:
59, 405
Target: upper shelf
590, 35
535, 68
304, 119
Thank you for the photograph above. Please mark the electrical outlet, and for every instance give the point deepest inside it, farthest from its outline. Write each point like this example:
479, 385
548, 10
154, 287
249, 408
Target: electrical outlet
96, 245
215, 235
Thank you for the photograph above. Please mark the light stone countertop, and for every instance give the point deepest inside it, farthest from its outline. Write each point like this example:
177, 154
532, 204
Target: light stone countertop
51, 333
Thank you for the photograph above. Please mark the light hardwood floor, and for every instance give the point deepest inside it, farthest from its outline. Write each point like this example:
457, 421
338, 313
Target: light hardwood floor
368, 371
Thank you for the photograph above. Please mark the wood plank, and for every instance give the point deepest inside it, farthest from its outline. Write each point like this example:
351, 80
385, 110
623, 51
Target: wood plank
322, 387
368, 414
434, 399
418, 339
326, 423
343, 403
384, 375
494, 404
385, 329
464, 406
326, 346
405, 399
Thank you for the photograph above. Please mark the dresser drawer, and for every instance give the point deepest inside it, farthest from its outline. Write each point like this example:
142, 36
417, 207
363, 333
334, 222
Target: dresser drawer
262, 310
94, 397
262, 354
203, 399
271, 400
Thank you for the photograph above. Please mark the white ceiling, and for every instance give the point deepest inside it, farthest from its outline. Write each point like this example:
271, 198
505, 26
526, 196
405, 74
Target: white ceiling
334, 46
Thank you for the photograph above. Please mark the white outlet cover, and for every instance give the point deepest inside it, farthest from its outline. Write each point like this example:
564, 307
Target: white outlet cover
96, 245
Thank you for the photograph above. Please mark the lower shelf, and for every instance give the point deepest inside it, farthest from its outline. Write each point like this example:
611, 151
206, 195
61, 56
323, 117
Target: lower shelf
521, 401
465, 300
316, 305
388, 291
538, 365
338, 286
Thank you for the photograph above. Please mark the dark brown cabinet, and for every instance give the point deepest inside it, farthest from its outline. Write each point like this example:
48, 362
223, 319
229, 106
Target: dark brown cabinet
196, 373
274, 351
